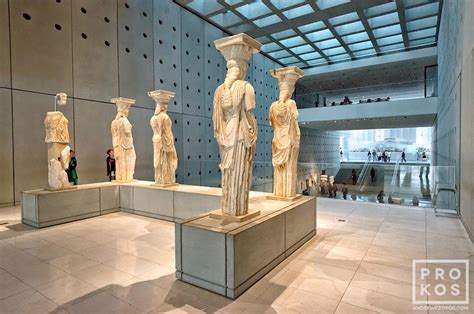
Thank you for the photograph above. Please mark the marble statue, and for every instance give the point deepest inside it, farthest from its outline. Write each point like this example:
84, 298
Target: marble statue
165, 159
57, 139
235, 126
122, 141
283, 117
57, 176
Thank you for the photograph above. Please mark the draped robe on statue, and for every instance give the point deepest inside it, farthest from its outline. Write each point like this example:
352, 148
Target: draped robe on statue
285, 146
235, 130
165, 159
124, 150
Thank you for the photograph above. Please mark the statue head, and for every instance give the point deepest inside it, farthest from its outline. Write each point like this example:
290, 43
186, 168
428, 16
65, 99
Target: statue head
287, 78
61, 99
162, 99
238, 48
123, 104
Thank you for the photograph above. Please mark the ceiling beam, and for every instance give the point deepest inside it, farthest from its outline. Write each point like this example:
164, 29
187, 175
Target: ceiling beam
332, 30
314, 17
430, 52
367, 28
403, 22
249, 22
296, 30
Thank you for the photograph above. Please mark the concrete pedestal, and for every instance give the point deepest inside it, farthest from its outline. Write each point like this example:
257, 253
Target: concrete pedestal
43, 208
229, 257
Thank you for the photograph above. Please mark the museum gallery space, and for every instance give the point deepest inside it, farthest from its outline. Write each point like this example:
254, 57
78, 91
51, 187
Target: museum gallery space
218, 156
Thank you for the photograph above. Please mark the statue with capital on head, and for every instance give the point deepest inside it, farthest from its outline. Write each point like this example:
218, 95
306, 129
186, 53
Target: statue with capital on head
122, 140
235, 126
283, 117
165, 159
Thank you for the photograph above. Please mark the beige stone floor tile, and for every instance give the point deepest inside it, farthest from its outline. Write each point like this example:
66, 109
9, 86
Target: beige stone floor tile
10, 285
98, 237
27, 242
376, 301
392, 287
411, 252
101, 276
100, 303
126, 246
156, 255
303, 301
385, 271
38, 274
101, 253
73, 263
48, 251
322, 270
141, 294
131, 264
76, 244
333, 289
67, 289
346, 308
29, 301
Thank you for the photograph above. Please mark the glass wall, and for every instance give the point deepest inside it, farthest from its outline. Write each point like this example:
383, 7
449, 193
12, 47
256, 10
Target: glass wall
415, 142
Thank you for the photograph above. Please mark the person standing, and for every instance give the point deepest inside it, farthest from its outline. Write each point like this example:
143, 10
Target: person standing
372, 175
345, 190
354, 177
71, 170
341, 154
110, 161
374, 155
403, 157
388, 156
369, 155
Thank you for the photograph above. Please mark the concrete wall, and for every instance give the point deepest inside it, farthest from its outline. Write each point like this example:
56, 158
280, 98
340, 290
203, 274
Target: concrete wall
454, 129
95, 50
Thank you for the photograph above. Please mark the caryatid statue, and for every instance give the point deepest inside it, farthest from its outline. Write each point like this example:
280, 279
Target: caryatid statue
283, 117
122, 140
165, 159
57, 139
235, 126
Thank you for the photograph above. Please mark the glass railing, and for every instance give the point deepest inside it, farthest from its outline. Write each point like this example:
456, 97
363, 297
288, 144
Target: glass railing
367, 94
396, 183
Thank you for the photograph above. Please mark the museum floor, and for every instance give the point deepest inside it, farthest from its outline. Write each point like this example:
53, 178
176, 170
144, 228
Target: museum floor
360, 261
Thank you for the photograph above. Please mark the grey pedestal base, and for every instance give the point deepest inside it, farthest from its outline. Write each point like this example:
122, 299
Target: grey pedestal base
43, 208
229, 257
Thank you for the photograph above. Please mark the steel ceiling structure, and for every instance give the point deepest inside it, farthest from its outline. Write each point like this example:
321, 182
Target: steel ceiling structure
311, 33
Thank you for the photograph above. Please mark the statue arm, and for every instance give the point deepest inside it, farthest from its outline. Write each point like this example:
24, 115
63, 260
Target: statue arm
294, 112
249, 97
217, 114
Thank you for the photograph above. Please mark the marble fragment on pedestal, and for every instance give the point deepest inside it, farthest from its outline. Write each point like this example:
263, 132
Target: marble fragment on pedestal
235, 126
165, 159
283, 117
57, 139
122, 141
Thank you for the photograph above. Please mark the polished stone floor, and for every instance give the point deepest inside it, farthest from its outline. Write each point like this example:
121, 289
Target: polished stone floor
360, 262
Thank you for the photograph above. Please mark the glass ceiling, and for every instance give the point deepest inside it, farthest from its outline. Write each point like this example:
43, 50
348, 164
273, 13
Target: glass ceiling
309, 33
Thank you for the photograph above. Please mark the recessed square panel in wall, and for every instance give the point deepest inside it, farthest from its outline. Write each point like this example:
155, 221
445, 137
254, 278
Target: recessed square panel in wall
41, 45
212, 174
4, 45
30, 150
95, 62
193, 138
142, 140
177, 120
192, 63
214, 66
135, 49
167, 43
212, 148
6, 153
192, 172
